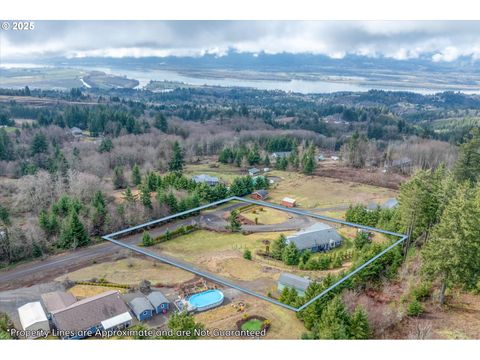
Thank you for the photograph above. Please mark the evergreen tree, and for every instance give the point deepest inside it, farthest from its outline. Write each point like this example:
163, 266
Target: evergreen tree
39, 144
177, 162
161, 122
147, 239
128, 195
183, 323
254, 156
290, 255
145, 196
278, 246
359, 327
334, 321
452, 255
106, 145
100, 213
136, 175
172, 203
234, 223
468, 164
6, 146
73, 233
119, 181
266, 161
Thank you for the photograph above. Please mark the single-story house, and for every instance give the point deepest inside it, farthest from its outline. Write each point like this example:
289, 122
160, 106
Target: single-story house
33, 319
57, 300
280, 154
287, 280
106, 311
260, 195
390, 204
205, 179
253, 171
288, 202
318, 237
141, 308
159, 302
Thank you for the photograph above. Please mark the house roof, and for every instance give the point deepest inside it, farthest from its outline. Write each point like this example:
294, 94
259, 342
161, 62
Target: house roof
204, 178
289, 200
140, 304
156, 298
57, 300
315, 235
89, 312
253, 170
390, 203
31, 313
294, 281
262, 193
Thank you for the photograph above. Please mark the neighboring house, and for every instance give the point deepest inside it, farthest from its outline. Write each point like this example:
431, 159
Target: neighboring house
253, 171
205, 179
289, 202
159, 302
335, 158
76, 132
259, 195
280, 154
298, 283
141, 308
318, 237
33, 319
106, 311
266, 170
57, 300
321, 157
390, 204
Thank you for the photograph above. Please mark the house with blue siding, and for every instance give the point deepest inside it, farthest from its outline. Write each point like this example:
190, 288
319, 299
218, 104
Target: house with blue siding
141, 308
160, 303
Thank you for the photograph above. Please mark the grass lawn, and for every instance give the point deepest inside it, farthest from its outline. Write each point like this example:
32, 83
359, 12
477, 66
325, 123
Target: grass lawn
253, 325
83, 291
224, 172
266, 215
313, 191
131, 271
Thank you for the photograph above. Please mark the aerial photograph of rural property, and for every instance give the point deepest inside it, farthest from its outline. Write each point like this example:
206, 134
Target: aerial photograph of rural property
226, 180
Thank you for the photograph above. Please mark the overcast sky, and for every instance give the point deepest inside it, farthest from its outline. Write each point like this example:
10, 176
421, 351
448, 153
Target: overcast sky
437, 40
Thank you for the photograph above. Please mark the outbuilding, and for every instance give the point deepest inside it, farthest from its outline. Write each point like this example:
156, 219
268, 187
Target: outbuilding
289, 202
142, 308
253, 171
205, 179
260, 195
298, 283
159, 302
33, 319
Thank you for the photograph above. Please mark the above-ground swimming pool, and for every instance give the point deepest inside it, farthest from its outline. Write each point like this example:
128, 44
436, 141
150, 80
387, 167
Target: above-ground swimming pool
205, 300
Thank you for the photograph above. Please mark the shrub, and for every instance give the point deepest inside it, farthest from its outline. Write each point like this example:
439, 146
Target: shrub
362, 239
247, 254
415, 308
421, 292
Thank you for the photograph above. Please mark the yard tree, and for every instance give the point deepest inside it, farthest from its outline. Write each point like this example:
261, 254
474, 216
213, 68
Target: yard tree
183, 326
171, 202
145, 196
468, 164
359, 328
128, 195
99, 216
278, 246
334, 321
73, 233
452, 254
290, 255
176, 162
253, 157
247, 254
136, 175
309, 165
119, 181
161, 122
147, 239
234, 224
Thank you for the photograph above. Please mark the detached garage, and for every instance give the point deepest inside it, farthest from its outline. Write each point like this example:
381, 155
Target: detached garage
33, 319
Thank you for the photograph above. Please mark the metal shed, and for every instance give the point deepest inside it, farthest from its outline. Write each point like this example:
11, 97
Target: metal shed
33, 319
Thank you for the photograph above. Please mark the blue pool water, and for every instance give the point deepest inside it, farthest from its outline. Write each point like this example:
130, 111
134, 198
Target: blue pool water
206, 300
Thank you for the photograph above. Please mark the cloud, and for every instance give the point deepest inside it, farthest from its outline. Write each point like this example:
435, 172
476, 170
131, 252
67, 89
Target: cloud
402, 40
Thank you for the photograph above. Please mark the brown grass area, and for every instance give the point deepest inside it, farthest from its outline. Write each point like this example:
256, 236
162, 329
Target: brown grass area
266, 215
284, 323
315, 191
130, 272
83, 291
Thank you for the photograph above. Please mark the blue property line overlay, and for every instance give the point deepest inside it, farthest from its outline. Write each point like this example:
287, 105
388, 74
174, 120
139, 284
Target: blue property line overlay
110, 237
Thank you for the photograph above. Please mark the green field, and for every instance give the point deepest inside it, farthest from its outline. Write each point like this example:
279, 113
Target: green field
253, 325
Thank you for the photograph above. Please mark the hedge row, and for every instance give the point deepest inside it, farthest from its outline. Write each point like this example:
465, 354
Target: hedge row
106, 284
169, 235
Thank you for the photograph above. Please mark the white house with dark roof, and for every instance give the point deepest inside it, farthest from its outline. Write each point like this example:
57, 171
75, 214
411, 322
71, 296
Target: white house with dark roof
318, 237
